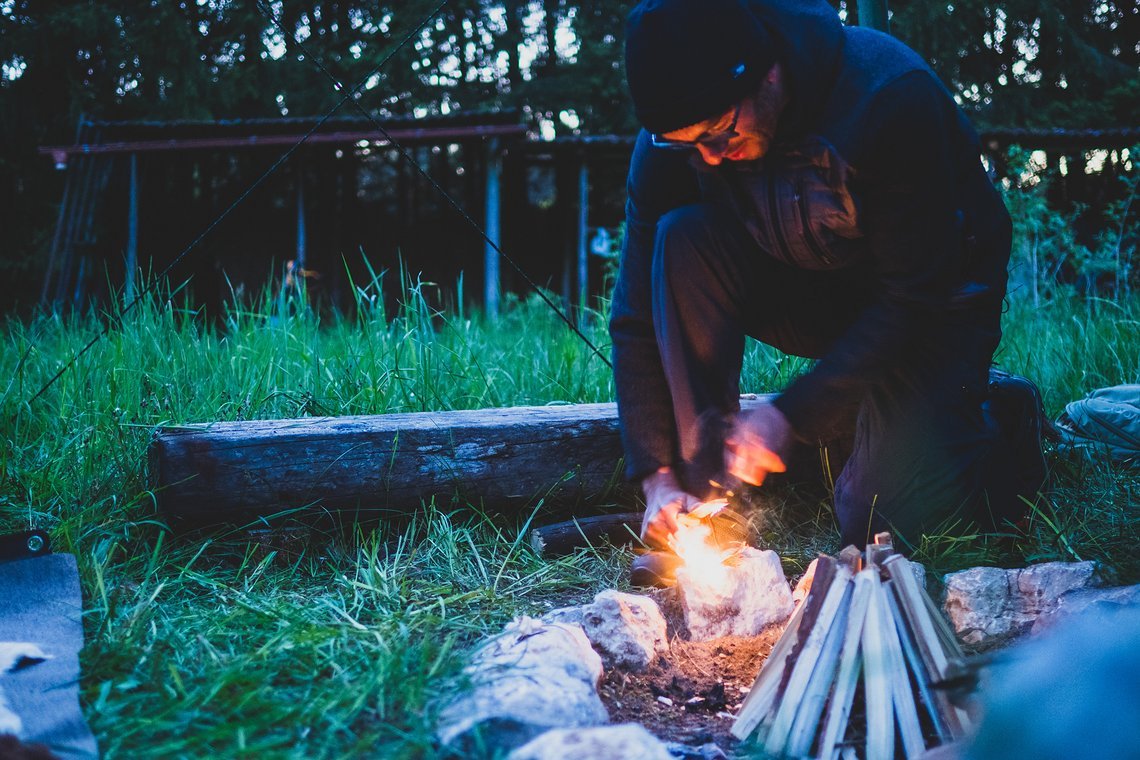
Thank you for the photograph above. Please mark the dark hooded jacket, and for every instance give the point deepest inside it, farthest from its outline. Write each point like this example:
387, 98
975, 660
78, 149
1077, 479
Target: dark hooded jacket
875, 176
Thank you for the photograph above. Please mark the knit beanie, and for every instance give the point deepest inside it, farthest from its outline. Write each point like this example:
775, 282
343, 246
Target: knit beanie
691, 60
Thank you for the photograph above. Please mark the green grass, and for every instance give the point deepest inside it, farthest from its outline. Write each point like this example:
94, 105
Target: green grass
338, 643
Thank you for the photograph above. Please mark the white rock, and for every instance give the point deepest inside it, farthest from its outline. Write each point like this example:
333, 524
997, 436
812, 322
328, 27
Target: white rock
567, 615
1078, 603
989, 605
628, 741
707, 751
528, 643
755, 596
19, 654
627, 630
532, 677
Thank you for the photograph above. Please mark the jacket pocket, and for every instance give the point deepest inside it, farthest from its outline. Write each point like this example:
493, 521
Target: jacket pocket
807, 216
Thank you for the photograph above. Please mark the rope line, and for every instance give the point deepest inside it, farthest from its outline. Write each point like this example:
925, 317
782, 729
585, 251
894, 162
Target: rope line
268, 11
351, 95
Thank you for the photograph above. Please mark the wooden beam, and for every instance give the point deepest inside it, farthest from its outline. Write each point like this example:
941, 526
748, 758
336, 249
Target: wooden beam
230, 472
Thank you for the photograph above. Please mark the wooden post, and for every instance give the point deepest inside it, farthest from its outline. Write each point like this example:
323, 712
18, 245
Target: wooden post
873, 14
299, 259
583, 241
132, 261
491, 226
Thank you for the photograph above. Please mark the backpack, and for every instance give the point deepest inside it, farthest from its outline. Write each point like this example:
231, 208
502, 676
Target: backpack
1105, 421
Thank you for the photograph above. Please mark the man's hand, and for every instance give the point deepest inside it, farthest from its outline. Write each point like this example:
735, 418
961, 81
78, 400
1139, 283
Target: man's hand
757, 444
664, 500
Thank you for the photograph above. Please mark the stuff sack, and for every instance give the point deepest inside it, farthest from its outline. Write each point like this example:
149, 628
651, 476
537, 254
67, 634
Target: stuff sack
1105, 421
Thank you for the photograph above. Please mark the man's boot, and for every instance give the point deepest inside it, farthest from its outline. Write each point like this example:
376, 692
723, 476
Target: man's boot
1015, 403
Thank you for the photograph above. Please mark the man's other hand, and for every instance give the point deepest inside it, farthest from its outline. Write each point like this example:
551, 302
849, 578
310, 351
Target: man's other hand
757, 444
664, 500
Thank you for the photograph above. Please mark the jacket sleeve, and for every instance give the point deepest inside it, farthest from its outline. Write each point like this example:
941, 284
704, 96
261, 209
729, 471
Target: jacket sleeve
659, 180
906, 180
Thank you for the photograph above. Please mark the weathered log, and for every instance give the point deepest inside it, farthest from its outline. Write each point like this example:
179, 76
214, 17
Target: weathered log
503, 459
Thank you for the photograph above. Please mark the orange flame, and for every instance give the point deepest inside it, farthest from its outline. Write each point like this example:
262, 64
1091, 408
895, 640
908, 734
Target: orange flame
703, 559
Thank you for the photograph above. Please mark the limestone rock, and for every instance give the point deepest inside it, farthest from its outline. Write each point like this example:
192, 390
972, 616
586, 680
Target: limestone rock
532, 677
754, 596
566, 615
627, 630
1080, 601
989, 605
707, 751
628, 741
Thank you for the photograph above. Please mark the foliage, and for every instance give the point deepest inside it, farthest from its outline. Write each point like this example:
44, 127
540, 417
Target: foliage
1063, 63
1048, 260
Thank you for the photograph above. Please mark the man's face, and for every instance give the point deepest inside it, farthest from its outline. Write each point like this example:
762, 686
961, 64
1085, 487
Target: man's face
756, 117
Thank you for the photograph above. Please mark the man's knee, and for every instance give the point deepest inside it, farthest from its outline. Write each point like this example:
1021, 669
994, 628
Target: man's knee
685, 240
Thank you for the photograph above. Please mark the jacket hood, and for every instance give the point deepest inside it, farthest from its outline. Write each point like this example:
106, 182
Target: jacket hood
810, 38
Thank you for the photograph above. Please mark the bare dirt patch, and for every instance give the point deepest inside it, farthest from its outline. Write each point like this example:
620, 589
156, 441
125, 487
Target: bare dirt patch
691, 695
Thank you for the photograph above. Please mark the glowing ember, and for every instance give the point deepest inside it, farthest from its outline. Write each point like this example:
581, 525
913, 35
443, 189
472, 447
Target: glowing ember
702, 557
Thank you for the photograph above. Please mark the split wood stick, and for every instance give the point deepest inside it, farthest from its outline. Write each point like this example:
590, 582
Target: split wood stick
776, 742
914, 660
905, 712
953, 650
763, 692
945, 633
807, 723
876, 680
882, 548
926, 637
850, 661
774, 673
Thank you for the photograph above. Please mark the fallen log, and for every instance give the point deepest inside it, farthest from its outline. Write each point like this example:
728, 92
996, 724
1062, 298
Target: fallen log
564, 538
502, 459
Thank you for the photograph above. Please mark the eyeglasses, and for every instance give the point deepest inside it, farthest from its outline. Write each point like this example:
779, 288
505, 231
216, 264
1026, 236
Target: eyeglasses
714, 141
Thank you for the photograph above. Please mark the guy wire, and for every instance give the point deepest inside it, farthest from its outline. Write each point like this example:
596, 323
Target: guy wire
268, 11
351, 95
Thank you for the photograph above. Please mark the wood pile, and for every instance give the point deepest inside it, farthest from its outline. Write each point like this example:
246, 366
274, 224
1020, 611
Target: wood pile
868, 642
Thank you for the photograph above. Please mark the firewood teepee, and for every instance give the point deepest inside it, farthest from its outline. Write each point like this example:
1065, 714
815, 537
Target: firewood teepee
866, 634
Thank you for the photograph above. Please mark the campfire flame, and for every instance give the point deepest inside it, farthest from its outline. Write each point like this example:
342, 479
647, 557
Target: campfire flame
700, 554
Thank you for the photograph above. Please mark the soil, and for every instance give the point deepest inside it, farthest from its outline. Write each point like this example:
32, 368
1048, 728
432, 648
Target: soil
691, 695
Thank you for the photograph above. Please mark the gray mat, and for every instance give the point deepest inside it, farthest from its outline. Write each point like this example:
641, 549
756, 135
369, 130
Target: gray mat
40, 602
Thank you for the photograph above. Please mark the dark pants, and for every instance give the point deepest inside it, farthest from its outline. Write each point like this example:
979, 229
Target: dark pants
923, 454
